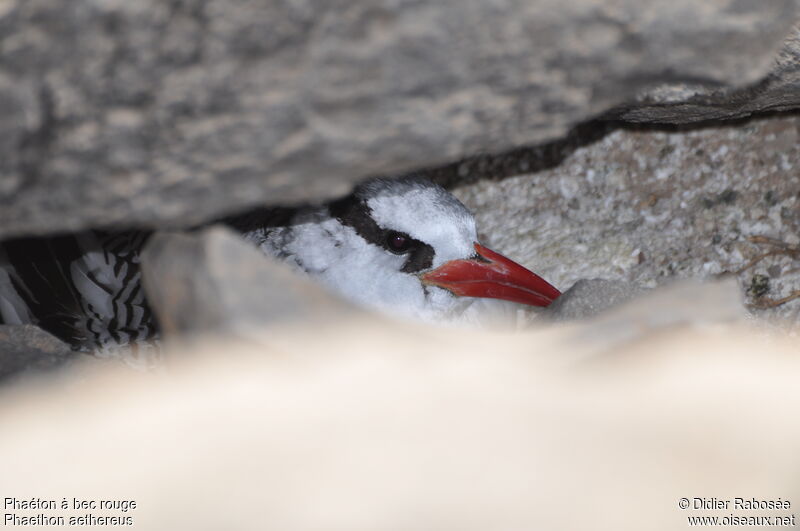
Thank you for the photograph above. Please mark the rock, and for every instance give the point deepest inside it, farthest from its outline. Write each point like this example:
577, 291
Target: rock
213, 281
646, 207
375, 428
687, 303
29, 348
589, 297
155, 114
608, 314
663, 106
779, 91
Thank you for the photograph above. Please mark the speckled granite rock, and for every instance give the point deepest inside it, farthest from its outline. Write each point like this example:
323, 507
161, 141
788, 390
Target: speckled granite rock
644, 207
28, 347
168, 113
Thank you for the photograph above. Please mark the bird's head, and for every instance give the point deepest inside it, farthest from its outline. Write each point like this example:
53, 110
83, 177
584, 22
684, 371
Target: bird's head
408, 246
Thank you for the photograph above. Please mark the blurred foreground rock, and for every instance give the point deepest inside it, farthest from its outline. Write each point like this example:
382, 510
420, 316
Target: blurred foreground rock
155, 113
27, 347
214, 281
387, 426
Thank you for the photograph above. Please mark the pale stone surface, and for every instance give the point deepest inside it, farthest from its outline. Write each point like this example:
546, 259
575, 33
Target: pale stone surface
367, 427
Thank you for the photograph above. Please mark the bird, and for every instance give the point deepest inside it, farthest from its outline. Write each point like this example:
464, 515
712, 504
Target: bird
402, 246
84, 288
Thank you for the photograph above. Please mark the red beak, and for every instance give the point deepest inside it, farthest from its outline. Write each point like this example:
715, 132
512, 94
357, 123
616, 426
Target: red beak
493, 276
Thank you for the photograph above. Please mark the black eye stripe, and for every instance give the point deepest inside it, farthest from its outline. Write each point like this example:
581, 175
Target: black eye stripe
419, 259
355, 213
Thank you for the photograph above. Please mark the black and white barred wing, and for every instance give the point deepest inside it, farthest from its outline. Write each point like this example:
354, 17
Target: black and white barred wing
85, 289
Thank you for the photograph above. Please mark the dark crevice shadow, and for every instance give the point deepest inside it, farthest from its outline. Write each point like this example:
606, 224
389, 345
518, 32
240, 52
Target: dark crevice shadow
548, 155
518, 161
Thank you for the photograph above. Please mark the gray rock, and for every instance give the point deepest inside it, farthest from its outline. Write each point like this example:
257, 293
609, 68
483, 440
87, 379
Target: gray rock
693, 103
29, 348
608, 314
662, 106
685, 303
589, 297
157, 113
215, 281
644, 207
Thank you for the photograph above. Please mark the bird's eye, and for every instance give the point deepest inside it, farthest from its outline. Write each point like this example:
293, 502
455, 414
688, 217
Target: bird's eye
397, 243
